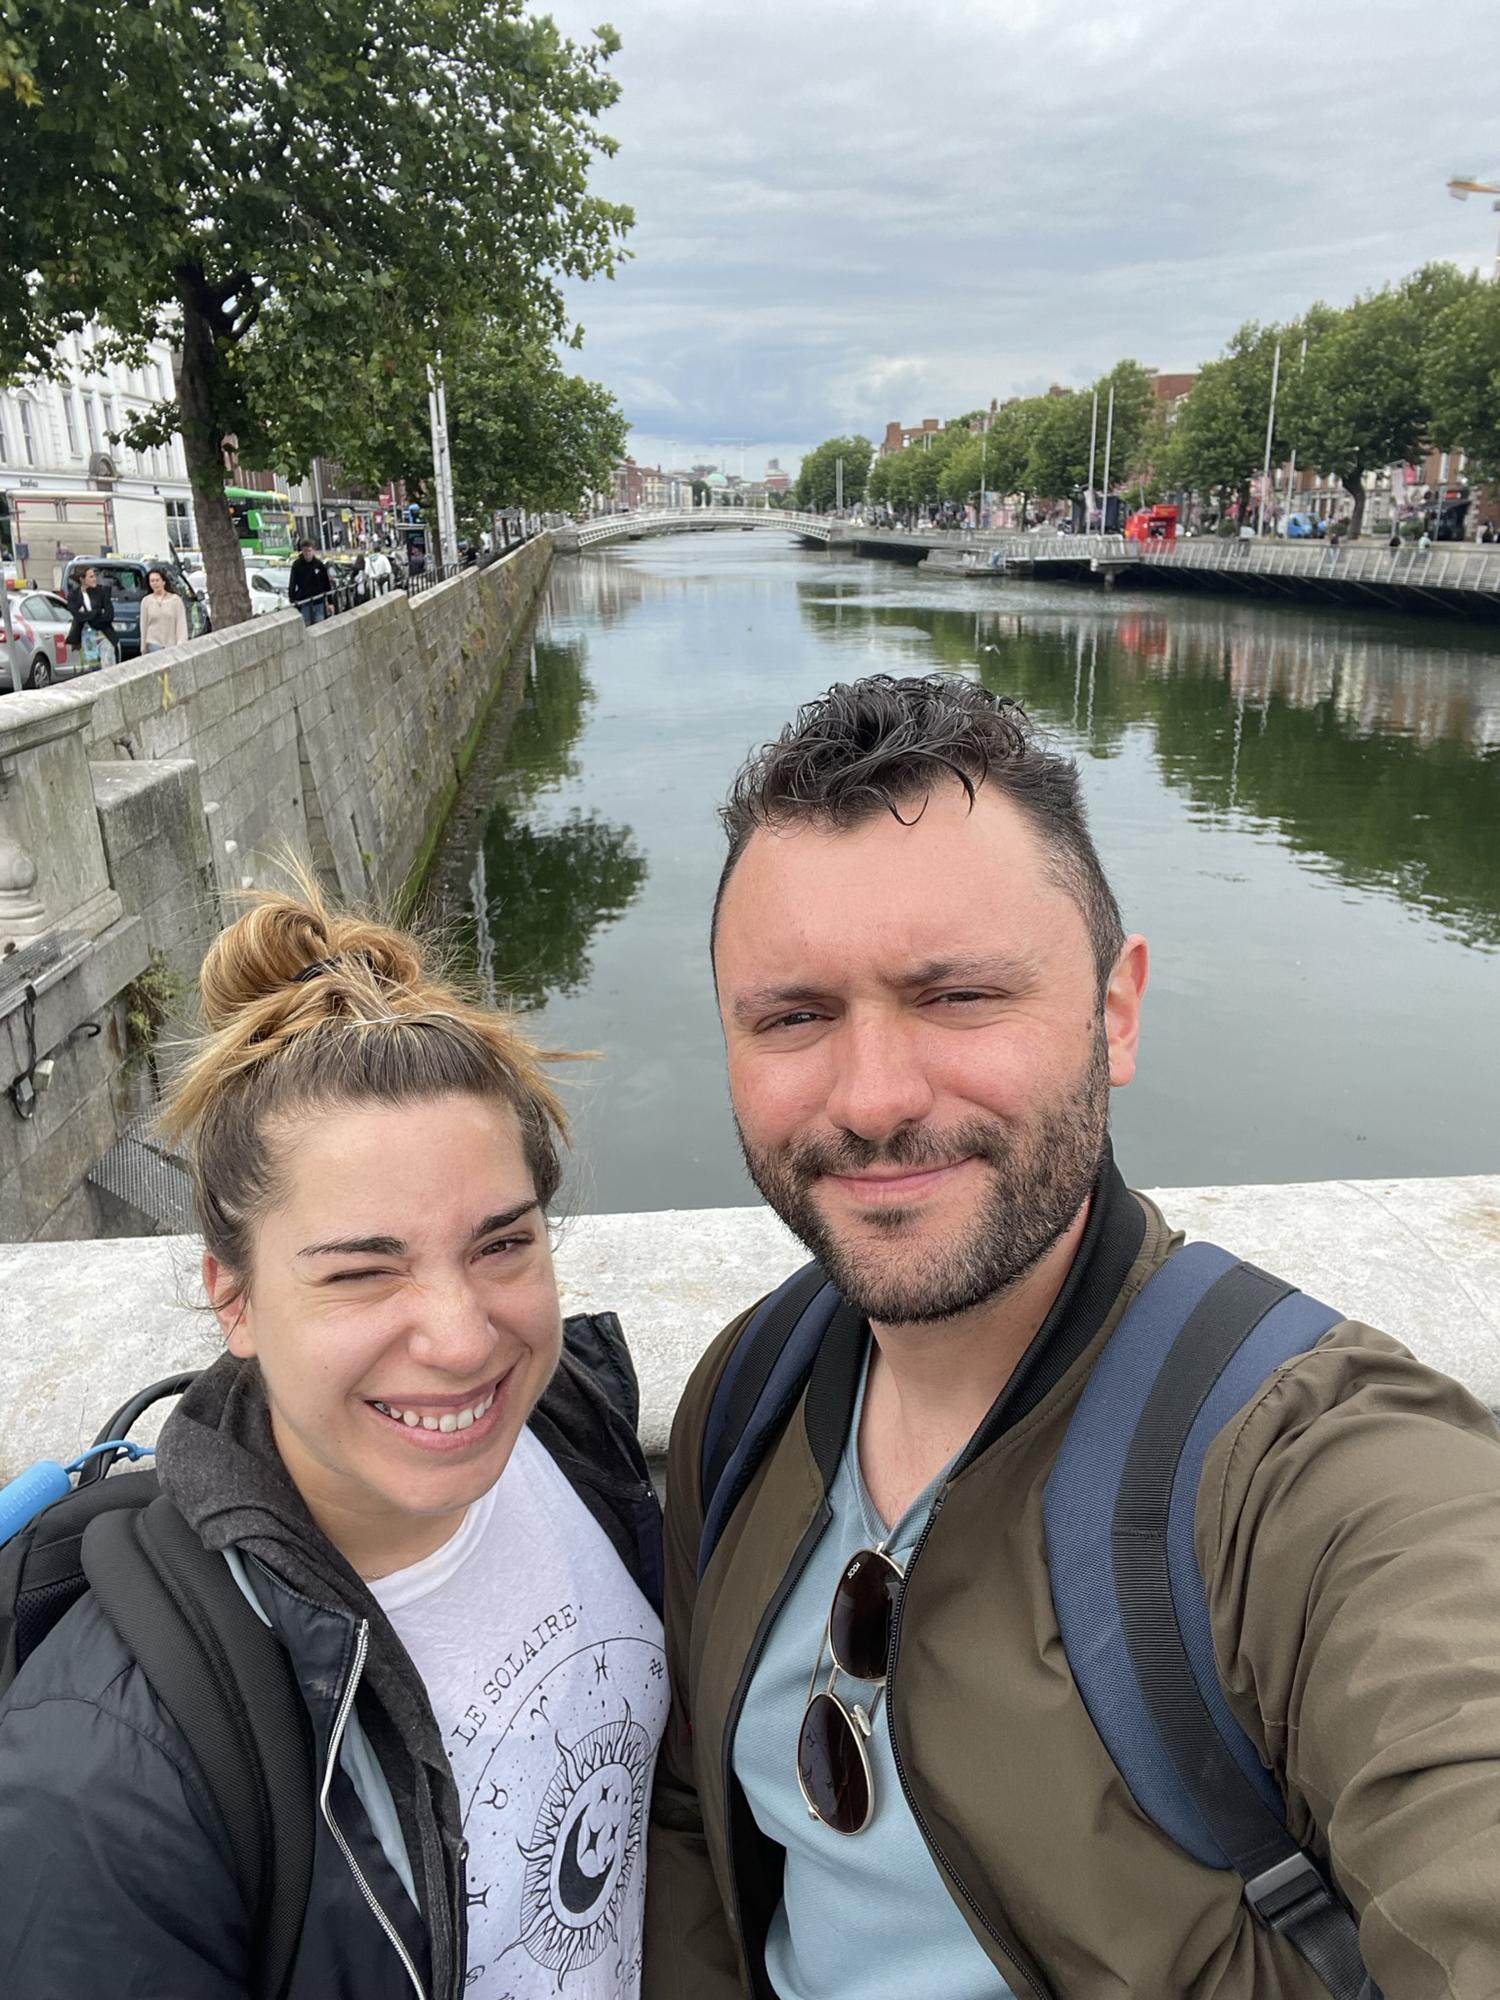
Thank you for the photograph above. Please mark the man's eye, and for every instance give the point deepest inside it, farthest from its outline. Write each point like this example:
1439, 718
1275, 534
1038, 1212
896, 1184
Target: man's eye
962, 997
501, 1244
348, 1277
799, 1019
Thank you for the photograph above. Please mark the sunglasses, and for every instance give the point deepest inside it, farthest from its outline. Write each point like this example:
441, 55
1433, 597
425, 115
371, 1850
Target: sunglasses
833, 1765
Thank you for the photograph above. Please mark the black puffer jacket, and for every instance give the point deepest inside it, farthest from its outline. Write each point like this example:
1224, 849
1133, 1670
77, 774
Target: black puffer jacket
115, 1865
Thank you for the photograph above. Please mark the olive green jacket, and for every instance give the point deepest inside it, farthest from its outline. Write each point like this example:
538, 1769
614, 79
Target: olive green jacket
1348, 1526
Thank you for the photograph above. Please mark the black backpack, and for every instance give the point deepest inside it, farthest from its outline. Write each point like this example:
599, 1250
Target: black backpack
222, 1675
1195, 1345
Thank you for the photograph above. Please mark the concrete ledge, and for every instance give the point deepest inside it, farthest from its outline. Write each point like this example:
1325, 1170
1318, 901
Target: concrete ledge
82, 1325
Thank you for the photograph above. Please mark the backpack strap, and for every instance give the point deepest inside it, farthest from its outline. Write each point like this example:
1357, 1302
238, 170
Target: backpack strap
760, 1384
226, 1682
1195, 1346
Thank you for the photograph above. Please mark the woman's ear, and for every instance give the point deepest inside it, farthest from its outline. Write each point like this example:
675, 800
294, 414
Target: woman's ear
231, 1307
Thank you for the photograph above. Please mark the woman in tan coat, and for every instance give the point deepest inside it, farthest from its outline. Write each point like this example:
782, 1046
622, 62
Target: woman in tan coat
163, 615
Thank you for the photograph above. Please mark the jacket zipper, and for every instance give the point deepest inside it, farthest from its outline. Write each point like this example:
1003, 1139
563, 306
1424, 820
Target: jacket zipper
1018, 1962
341, 1722
800, 1559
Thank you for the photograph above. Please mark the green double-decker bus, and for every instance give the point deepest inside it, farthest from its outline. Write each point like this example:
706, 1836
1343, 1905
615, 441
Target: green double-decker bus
263, 521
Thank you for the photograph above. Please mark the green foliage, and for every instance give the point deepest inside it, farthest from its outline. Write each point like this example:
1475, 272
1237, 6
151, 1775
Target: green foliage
1461, 378
817, 476
1057, 463
152, 999
1360, 402
521, 430
289, 192
1218, 442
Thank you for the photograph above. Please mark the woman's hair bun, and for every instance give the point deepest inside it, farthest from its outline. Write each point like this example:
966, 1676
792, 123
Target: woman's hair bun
287, 942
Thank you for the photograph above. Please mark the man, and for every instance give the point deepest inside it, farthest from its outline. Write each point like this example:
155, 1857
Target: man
309, 586
927, 996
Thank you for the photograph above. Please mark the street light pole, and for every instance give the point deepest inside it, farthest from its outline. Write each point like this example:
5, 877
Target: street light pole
1093, 440
1109, 440
984, 452
838, 486
442, 466
1265, 471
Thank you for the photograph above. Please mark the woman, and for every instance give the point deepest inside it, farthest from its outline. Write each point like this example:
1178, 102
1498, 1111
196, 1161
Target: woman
443, 1522
163, 615
93, 626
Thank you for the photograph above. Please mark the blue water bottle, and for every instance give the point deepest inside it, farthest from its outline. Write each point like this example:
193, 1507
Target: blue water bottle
29, 1492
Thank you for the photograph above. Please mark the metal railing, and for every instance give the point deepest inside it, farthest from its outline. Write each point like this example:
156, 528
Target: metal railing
1441, 567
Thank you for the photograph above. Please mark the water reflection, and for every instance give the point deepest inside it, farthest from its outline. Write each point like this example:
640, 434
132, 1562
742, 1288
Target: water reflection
541, 887
1373, 760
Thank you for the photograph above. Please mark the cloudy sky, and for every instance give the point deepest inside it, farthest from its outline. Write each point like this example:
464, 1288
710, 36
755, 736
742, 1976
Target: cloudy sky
850, 212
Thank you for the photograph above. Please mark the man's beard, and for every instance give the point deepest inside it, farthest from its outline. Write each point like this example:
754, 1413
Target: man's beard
1040, 1175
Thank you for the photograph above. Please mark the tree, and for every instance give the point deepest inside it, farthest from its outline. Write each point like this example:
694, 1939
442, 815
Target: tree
1058, 457
818, 475
1360, 402
1218, 443
285, 191
1461, 379
522, 432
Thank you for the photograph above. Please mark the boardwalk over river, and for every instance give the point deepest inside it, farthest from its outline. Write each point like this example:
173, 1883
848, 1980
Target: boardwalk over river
1461, 579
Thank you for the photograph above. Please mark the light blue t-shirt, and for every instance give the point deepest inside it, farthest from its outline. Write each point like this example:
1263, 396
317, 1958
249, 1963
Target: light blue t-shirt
863, 1916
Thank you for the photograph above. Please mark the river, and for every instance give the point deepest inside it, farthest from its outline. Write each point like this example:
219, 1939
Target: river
1300, 809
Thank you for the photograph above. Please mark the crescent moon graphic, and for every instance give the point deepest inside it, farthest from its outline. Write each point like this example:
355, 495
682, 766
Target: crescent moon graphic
577, 1888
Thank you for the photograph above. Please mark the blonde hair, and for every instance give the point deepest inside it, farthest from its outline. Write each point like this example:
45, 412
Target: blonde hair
306, 1008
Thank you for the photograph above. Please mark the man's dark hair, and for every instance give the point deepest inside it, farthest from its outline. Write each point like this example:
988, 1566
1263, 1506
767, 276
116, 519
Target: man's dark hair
881, 744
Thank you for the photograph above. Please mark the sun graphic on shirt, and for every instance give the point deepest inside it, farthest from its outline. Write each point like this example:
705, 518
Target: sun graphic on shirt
584, 1846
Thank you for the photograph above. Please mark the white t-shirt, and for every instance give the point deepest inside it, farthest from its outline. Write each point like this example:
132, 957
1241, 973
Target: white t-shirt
545, 1669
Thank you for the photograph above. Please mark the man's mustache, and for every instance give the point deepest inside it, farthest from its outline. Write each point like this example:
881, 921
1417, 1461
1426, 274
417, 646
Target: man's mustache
912, 1146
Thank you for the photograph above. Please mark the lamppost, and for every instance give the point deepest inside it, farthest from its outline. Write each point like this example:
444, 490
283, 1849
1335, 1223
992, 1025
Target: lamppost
1461, 188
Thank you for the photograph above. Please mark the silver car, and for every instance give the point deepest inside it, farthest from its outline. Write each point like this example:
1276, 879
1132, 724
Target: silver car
38, 651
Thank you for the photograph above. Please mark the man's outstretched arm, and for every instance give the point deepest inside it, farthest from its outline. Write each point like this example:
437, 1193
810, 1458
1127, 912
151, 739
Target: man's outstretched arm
1349, 1526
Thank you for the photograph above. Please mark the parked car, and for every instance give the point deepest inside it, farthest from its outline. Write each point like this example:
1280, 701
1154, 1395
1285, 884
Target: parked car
267, 580
39, 621
125, 579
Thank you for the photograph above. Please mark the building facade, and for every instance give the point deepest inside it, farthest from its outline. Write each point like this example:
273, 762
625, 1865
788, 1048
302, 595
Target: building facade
66, 487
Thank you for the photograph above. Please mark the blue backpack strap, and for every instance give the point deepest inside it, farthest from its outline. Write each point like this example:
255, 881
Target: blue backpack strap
1196, 1345
761, 1381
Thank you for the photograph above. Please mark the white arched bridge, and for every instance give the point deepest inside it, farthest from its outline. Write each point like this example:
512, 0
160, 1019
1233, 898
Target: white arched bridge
645, 522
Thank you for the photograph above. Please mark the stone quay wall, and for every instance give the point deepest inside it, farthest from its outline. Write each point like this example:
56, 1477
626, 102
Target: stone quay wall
84, 1325
135, 803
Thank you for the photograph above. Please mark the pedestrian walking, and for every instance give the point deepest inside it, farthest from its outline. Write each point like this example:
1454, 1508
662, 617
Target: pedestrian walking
309, 586
93, 627
163, 615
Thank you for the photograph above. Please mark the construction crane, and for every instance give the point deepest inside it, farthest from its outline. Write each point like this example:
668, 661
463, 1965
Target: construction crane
1460, 187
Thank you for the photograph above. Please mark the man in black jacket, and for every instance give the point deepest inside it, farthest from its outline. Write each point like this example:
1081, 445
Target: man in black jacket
309, 586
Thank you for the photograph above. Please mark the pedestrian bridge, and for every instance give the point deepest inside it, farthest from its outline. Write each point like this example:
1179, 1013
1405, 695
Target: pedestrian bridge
1448, 576
644, 523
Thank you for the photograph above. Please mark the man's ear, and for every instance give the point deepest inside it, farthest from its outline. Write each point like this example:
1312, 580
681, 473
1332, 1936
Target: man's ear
1122, 1007
226, 1294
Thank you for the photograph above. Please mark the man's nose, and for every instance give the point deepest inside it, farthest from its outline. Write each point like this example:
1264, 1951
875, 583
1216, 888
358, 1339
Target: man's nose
880, 1079
453, 1331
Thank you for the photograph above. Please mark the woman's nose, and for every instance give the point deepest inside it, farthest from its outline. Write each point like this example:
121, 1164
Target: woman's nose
453, 1331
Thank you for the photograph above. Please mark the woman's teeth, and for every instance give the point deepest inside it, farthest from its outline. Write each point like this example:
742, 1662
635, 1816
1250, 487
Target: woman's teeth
450, 1420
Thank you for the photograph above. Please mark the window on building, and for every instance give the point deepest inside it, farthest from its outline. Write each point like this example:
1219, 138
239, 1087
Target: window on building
91, 421
28, 431
4, 447
66, 396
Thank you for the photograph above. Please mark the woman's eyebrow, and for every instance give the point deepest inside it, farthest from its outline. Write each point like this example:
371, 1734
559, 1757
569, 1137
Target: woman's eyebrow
395, 1246
357, 1246
504, 1218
